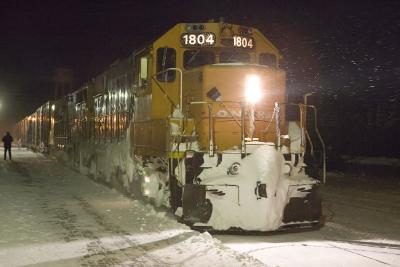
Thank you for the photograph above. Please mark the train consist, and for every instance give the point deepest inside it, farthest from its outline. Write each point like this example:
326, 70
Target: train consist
194, 121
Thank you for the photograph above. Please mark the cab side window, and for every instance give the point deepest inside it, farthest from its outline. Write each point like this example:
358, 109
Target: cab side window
166, 58
268, 59
143, 71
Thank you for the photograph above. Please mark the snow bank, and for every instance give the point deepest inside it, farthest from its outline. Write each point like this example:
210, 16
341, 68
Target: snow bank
108, 162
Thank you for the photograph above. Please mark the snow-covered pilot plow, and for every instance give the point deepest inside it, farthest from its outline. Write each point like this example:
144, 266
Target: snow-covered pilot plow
259, 196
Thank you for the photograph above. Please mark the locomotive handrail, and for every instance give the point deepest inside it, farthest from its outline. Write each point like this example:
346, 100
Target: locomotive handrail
210, 129
321, 140
309, 140
316, 131
180, 83
172, 103
163, 91
223, 105
213, 102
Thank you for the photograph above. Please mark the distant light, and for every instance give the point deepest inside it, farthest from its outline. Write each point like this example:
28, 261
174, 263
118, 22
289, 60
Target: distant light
53, 107
147, 179
253, 89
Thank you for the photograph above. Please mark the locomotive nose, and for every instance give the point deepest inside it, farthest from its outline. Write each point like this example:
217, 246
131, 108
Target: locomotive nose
232, 89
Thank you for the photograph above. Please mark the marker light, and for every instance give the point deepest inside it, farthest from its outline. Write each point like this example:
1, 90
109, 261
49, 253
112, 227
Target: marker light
253, 88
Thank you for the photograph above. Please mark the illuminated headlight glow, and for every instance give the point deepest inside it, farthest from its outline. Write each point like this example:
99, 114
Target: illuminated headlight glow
253, 88
147, 179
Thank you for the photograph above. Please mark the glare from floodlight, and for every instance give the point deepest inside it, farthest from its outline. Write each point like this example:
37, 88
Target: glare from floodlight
253, 89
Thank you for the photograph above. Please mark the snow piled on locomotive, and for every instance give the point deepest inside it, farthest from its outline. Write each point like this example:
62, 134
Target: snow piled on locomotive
244, 209
238, 201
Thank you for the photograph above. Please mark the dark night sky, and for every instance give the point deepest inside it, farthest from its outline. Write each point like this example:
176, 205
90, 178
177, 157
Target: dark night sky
346, 51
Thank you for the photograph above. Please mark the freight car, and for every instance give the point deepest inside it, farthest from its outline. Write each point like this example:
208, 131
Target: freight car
194, 121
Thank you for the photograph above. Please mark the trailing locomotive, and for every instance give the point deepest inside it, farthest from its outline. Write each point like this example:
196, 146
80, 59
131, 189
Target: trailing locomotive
194, 121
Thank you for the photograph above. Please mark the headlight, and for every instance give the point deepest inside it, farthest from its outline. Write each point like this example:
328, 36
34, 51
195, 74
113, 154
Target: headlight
253, 88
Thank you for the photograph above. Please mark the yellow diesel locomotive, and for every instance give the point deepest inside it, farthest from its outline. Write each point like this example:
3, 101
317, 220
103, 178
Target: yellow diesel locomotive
194, 121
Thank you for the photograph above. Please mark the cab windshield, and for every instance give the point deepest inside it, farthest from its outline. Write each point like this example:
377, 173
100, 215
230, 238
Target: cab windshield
200, 57
197, 58
234, 57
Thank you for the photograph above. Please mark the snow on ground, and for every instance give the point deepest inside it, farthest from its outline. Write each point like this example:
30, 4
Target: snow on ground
53, 216
373, 161
362, 228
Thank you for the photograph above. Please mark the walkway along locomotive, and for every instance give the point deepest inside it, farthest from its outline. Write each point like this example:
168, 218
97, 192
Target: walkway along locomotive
194, 121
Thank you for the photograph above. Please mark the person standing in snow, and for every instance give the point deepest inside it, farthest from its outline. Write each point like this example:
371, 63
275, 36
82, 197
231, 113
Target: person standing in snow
7, 140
